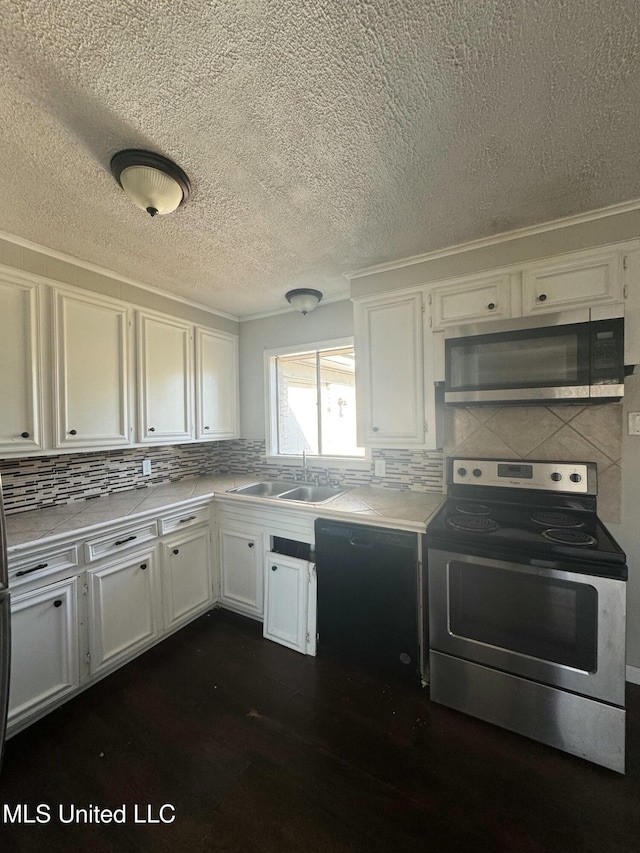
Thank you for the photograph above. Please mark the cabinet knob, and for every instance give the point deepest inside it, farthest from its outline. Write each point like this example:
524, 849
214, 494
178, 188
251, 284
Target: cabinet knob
57, 603
73, 432
375, 429
143, 566
207, 427
274, 568
542, 297
24, 435
491, 306
251, 544
176, 550
152, 429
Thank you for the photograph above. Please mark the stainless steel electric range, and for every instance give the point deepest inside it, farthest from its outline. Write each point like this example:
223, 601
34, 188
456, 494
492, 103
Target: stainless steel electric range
527, 605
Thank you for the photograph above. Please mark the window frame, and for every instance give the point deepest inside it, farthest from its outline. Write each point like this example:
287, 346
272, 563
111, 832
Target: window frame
271, 409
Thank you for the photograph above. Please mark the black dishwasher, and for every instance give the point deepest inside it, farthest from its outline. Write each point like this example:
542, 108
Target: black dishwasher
368, 597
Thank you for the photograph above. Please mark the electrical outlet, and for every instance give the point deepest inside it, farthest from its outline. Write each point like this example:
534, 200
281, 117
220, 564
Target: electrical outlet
380, 467
146, 467
634, 423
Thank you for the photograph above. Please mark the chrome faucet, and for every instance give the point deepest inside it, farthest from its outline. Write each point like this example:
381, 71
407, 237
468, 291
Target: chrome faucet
302, 475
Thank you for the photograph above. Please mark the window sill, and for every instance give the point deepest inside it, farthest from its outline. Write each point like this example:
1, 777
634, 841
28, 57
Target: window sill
358, 462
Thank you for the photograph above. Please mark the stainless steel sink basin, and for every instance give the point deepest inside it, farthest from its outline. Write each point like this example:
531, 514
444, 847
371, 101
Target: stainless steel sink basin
266, 489
311, 494
288, 491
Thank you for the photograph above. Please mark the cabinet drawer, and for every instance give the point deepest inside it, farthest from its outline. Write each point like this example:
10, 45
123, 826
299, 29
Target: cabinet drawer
36, 565
184, 519
121, 540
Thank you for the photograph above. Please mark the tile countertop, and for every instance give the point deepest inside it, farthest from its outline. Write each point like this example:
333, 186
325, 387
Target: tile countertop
395, 508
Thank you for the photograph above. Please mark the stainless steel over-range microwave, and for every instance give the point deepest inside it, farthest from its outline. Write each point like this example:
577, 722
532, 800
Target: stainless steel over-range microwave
566, 357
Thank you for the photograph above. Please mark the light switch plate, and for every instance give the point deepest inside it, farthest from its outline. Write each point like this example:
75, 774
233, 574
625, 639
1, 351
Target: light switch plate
634, 423
146, 467
380, 467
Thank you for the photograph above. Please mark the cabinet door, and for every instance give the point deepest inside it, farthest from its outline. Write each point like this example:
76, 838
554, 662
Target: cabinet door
165, 376
122, 610
91, 397
389, 371
241, 571
44, 648
20, 387
216, 385
286, 601
579, 281
471, 300
186, 587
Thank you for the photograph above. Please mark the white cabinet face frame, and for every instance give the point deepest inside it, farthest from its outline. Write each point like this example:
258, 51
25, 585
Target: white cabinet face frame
242, 571
286, 601
217, 389
165, 379
390, 370
44, 648
123, 610
20, 351
186, 576
91, 371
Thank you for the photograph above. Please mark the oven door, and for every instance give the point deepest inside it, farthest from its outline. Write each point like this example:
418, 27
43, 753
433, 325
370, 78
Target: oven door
555, 627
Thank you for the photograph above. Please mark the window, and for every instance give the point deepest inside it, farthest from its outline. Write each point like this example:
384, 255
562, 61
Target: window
312, 398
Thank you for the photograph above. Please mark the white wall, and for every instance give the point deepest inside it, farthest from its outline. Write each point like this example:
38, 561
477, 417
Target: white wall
326, 322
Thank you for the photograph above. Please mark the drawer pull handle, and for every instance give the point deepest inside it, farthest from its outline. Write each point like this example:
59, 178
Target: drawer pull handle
491, 306
57, 603
190, 518
34, 569
143, 566
176, 550
122, 541
24, 435
542, 297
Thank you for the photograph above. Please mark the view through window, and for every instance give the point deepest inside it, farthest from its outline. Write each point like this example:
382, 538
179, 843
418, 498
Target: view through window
316, 403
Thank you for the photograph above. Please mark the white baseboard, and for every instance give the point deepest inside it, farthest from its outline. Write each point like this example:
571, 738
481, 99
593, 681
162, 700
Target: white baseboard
633, 674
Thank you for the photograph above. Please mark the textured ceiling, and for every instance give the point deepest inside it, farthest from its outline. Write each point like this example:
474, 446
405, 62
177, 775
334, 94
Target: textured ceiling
319, 135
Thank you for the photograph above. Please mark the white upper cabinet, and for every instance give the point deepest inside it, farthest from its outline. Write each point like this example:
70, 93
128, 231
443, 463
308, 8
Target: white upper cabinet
165, 378
216, 385
487, 297
91, 371
575, 280
20, 378
390, 370
583, 279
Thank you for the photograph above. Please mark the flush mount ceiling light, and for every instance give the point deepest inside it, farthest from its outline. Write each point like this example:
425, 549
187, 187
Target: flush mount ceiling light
152, 182
304, 299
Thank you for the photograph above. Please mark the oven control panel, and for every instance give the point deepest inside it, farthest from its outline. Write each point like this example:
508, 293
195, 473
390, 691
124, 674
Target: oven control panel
574, 477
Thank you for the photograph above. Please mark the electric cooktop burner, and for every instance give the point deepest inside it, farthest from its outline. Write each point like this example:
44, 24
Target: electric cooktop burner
556, 519
472, 509
569, 537
475, 523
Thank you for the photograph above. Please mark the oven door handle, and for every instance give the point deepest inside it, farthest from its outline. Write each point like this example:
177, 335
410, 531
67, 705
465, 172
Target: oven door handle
360, 543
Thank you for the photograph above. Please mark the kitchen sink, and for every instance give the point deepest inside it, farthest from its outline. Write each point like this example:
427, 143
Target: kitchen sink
266, 489
287, 491
311, 494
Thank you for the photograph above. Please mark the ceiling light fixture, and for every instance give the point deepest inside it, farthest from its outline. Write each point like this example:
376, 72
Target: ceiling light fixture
304, 299
152, 182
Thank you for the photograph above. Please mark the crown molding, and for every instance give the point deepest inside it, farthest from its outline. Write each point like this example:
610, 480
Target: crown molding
91, 267
504, 237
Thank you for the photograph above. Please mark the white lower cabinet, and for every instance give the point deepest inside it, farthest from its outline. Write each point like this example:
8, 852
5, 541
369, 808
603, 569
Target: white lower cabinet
45, 652
241, 570
186, 576
286, 601
123, 616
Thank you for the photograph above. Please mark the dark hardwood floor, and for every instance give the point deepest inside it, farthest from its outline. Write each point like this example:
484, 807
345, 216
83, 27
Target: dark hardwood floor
261, 749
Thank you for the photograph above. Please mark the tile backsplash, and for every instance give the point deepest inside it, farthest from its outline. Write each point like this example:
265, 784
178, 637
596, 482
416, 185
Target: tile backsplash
559, 433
